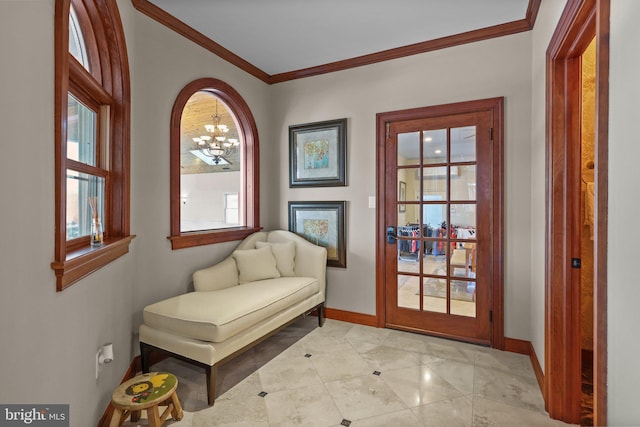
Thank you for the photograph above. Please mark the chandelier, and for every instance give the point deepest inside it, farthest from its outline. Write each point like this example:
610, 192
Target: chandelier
215, 146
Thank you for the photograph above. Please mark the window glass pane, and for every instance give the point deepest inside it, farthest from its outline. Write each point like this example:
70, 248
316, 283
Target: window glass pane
231, 209
211, 153
81, 132
80, 188
434, 146
463, 144
76, 40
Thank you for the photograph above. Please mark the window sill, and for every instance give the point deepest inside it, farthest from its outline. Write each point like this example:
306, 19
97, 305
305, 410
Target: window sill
201, 238
84, 261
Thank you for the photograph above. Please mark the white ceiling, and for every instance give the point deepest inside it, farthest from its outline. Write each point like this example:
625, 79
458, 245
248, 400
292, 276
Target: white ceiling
279, 36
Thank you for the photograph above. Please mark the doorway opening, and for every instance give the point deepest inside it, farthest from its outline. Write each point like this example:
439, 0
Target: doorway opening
576, 232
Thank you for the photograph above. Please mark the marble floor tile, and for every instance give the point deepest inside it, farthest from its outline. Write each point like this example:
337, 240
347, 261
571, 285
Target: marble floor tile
450, 350
278, 374
363, 397
512, 363
421, 381
512, 389
458, 374
308, 406
419, 385
343, 363
456, 412
404, 418
249, 411
382, 358
490, 413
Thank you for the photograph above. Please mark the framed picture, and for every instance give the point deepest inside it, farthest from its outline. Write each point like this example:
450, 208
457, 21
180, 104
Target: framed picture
402, 196
317, 154
321, 223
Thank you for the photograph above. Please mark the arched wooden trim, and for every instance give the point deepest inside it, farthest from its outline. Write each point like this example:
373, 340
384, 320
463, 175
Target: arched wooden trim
250, 166
108, 79
579, 23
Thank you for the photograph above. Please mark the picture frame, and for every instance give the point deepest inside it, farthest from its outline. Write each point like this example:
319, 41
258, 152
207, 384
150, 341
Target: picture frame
321, 223
317, 154
402, 196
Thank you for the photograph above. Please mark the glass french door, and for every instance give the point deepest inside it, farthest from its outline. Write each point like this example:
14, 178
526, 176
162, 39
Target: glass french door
438, 211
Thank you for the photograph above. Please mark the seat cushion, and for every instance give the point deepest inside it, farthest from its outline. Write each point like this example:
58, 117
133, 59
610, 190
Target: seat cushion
217, 315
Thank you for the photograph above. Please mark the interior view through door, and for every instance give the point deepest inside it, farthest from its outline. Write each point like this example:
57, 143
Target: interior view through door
439, 225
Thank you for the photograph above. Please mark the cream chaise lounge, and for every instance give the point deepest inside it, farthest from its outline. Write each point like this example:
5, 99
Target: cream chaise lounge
270, 280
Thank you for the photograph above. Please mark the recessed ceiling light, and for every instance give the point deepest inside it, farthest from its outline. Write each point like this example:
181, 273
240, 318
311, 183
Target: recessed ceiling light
438, 151
428, 139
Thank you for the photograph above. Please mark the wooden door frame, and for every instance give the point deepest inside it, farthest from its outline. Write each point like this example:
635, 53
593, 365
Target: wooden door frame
579, 23
496, 106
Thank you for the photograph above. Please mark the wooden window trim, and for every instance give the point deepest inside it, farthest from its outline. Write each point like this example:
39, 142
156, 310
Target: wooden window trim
106, 84
250, 167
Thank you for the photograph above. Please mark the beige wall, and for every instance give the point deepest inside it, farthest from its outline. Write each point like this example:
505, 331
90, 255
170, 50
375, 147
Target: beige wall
499, 67
548, 17
624, 206
48, 340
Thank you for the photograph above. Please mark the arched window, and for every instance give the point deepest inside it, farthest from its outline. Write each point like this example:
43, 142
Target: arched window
92, 116
214, 166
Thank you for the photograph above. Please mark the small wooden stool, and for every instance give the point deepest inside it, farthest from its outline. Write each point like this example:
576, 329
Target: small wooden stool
146, 391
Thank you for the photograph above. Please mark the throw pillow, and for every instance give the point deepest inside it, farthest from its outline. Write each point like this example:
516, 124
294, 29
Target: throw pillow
285, 254
256, 264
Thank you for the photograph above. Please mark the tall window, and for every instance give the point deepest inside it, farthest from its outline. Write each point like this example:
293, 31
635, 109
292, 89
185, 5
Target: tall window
214, 166
92, 138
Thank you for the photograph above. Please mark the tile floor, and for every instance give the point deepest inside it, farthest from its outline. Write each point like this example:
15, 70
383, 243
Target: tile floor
345, 374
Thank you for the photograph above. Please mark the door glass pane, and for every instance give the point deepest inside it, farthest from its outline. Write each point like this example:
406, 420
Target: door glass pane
80, 187
434, 146
434, 262
81, 132
434, 214
463, 298
408, 255
434, 180
463, 182
463, 144
408, 148
434, 295
408, 216
409, 292
463, 215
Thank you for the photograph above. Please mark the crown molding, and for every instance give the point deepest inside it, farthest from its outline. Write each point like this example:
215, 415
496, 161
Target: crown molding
521, 25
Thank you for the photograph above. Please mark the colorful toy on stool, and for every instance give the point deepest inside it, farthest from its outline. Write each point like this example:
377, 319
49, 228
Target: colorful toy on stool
146, 391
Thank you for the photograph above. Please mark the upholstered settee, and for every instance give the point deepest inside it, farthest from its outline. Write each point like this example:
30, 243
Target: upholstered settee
270, 280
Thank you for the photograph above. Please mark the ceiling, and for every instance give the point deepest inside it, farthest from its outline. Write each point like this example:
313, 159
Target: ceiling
277, 37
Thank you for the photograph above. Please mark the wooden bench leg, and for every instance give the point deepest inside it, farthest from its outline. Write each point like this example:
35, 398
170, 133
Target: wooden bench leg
321, 317
212, 373
145, 355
